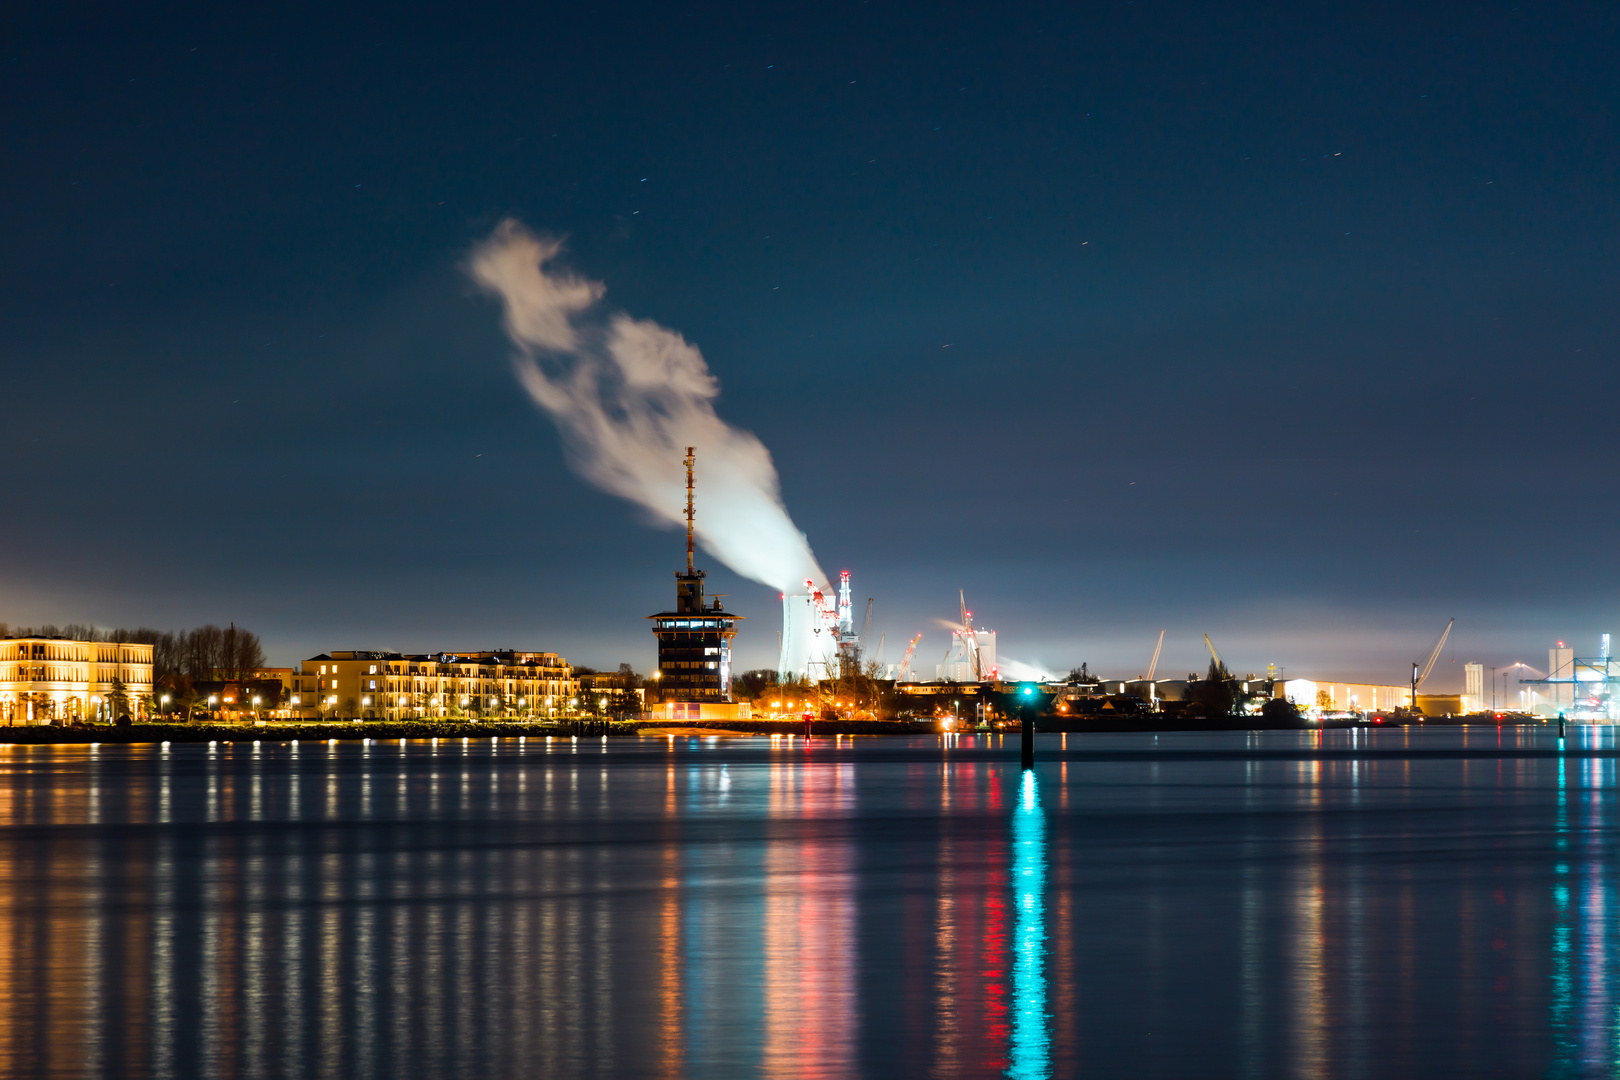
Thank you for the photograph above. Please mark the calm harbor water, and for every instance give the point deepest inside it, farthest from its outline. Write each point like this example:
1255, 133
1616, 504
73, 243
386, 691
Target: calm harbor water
1438, 902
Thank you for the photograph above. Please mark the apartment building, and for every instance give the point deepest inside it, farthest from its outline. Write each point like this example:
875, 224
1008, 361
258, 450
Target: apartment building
54, 680
365, 685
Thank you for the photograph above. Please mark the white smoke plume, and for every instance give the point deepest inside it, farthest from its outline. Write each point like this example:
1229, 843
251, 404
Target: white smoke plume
629, 396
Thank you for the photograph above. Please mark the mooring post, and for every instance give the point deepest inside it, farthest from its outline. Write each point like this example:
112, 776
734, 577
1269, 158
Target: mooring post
1026, 718
1029, 737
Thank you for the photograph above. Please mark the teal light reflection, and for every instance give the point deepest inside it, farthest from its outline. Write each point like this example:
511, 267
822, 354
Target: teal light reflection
1031, 1054
1563, 981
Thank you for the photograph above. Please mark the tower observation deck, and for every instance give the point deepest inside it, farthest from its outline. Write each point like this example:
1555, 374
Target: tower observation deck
694, 639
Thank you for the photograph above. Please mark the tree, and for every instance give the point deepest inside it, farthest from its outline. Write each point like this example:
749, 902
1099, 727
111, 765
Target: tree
166, 654
200, 652
1082, 676
621, 703
180, 690
1214, 695
755, 683
1279, 711
800, 692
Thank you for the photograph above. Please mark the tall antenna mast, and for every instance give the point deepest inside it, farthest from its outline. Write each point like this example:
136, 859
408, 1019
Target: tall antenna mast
691, 456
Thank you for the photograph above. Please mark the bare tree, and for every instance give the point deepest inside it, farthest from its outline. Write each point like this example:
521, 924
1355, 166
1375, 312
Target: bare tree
246, 654
202, 651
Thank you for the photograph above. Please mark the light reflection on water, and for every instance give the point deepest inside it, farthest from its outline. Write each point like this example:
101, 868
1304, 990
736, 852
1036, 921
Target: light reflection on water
1332, 904
1031, 1036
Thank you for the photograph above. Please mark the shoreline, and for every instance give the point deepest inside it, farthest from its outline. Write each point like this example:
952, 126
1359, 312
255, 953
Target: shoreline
48, 735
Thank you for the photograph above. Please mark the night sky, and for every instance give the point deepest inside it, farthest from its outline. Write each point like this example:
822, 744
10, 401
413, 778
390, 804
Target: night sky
1293, 324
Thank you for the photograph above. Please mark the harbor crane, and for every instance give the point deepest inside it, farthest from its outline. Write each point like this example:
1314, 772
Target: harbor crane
1153, 665
904, 672
1220, 665
970, 637
1419, 677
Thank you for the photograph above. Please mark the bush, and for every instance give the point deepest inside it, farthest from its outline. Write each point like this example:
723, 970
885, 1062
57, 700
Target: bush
1280, 711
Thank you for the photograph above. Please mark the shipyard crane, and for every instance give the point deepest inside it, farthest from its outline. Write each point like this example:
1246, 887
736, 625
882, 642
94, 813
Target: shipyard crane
970, 637
1419, 677
866, 627
904, 672
1220, 665
1153, 665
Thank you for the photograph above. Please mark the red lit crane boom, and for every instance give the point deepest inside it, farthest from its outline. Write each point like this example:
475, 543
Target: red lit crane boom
904, 672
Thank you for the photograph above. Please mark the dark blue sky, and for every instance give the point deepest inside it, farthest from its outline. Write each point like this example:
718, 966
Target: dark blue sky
1291, 325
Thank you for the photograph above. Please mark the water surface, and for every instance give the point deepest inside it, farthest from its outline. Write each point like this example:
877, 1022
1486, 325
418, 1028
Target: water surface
1397, 903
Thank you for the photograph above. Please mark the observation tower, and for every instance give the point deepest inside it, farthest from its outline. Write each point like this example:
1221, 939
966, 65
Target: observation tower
694, 640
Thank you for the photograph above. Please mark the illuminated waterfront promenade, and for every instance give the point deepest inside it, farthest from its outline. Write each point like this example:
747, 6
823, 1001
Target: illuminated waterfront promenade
1316, 904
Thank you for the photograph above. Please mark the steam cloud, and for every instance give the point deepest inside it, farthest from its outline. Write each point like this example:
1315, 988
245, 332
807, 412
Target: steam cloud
629, 396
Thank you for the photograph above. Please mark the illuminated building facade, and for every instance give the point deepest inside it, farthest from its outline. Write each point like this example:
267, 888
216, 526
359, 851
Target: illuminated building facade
363, 685
1343, 697
46, 680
